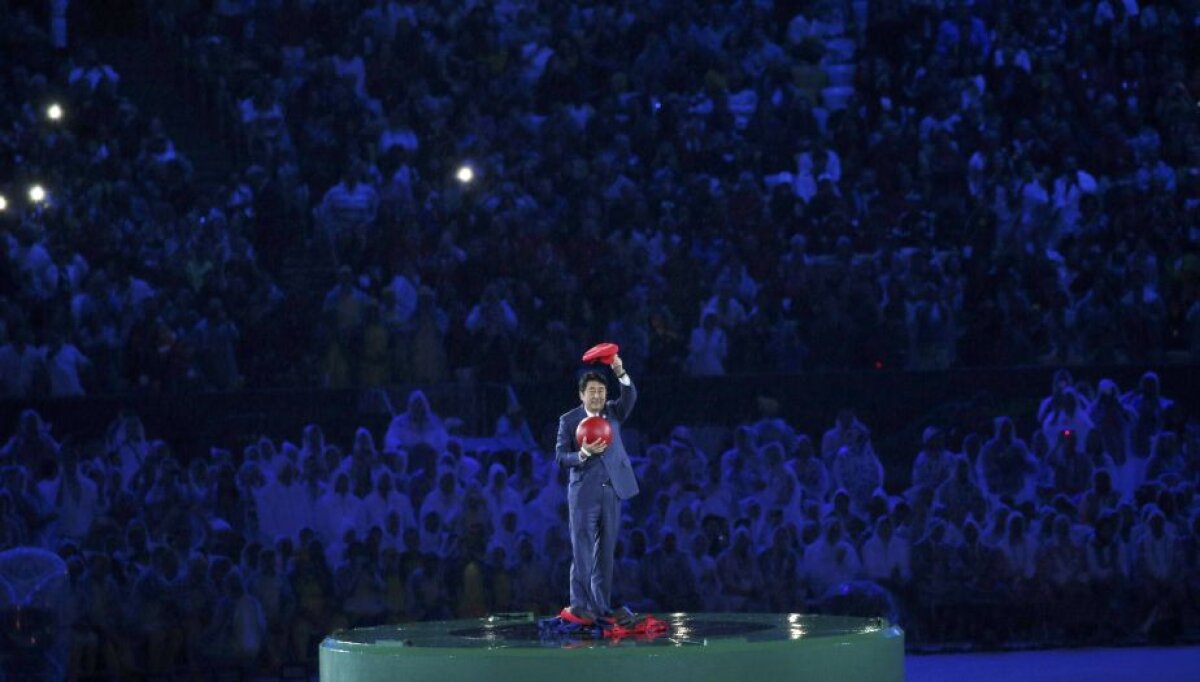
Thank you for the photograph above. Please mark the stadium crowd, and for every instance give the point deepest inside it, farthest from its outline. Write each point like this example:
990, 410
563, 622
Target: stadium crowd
747, 183
1082, 528
719, 187
122, 276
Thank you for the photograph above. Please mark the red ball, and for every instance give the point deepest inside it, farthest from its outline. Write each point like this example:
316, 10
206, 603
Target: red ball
592, 429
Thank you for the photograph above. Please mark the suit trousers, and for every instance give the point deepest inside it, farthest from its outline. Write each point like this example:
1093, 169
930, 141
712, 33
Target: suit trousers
595, 518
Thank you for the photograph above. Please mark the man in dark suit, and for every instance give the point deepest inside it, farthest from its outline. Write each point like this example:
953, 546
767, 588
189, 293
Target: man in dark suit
601, 476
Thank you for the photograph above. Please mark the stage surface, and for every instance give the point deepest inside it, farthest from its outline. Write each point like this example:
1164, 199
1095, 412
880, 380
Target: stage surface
697, 647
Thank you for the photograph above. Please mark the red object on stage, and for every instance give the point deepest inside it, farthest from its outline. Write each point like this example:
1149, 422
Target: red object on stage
646, 629
592, 429
601, 352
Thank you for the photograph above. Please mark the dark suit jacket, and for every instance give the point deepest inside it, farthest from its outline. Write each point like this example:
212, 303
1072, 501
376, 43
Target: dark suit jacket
614, 461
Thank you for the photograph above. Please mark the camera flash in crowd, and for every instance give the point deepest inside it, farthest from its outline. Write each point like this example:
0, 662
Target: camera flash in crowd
54, 112
465, 174
37, 194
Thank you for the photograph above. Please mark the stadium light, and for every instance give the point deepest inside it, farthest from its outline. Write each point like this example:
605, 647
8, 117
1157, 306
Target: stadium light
465, 174
54, 112
3, 203
37, 194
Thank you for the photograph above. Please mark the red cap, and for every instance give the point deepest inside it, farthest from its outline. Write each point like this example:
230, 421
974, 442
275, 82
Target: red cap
601, 352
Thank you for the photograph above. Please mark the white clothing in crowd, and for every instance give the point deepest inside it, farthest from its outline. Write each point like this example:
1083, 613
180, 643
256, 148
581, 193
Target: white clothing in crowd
828, 564
93, 75
64, 366
706, 352
283, 510
881, 559
76, 506
378, 508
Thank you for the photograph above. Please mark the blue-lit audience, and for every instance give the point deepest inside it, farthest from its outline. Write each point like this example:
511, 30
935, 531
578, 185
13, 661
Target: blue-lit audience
718, 187
248, 558
936, 185
120, 274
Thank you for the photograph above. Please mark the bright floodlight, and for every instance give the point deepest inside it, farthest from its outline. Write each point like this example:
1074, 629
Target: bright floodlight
54, 112
3, 203
465, 174
37, 194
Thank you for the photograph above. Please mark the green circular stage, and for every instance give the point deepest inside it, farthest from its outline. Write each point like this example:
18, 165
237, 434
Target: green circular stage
697, 647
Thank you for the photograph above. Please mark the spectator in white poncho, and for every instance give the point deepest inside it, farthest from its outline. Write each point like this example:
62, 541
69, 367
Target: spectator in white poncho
418, 424
447, 501
385, 500
885, 555
831, 560
335, 508
1066, 415
859, 471
1006, 467
500, 498
810, 471
239, 625
840, 435
283, 506
72, 496
934, 463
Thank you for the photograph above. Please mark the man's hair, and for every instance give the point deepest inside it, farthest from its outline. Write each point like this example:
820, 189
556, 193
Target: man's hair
591, 376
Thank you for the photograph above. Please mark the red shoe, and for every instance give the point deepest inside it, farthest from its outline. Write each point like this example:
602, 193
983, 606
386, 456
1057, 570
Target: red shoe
576, 616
